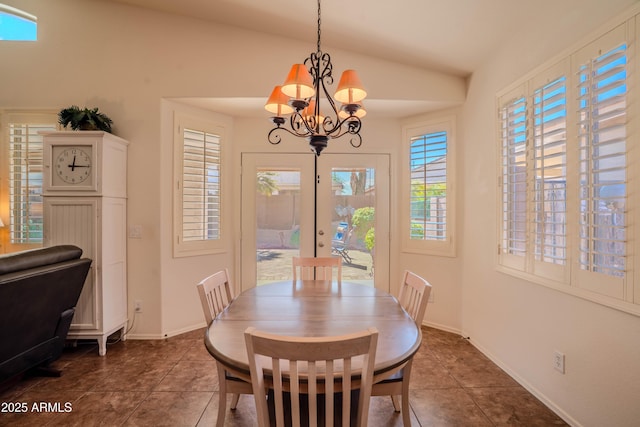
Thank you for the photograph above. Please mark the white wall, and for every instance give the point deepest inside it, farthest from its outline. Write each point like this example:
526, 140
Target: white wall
520, 324
128, 62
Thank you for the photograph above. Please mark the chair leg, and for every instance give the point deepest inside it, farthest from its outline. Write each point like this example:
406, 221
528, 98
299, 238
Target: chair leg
406, 412
234, 400
396, 403
222, 396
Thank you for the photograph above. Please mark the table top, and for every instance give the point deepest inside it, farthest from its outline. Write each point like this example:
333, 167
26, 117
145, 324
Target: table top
314, 308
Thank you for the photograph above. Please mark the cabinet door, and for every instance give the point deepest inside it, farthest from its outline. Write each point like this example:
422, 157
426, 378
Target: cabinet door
73, 221
113, 262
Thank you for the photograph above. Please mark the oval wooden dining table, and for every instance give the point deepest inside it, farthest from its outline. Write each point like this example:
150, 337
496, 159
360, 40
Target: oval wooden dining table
314, 308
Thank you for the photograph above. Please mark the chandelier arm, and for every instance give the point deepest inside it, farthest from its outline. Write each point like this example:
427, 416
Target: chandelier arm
350, 125
321, 70
274, 138
301, 126
356, 141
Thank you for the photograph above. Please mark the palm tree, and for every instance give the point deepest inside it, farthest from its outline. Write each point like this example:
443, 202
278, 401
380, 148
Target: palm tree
265, 184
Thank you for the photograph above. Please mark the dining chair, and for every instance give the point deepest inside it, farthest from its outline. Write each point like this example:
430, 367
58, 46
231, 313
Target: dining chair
323, 267
314, 367
413, 297
216, 293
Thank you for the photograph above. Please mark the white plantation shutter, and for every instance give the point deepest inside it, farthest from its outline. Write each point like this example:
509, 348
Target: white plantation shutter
428, 200
549, 174
200, 186
513, 135
198, 202
25, 177
602, 121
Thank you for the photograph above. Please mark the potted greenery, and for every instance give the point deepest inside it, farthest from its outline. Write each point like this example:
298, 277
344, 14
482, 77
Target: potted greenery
84, 119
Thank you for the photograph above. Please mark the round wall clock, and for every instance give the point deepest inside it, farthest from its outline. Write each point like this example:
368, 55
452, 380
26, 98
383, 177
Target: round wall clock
72, 165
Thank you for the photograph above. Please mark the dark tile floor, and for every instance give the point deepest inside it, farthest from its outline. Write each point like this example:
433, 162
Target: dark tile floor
173, 382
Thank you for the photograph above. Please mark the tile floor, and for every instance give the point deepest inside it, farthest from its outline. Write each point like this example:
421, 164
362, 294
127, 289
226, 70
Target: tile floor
173, 382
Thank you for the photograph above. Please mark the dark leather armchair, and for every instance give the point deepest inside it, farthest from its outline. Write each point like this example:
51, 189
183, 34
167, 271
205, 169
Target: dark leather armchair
39, 290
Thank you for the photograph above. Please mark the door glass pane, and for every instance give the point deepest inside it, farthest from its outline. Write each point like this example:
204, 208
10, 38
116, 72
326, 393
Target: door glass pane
353, 219
278, 223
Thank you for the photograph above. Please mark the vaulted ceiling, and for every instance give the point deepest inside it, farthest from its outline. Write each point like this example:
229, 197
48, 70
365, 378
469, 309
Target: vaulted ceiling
448, 36
453, 36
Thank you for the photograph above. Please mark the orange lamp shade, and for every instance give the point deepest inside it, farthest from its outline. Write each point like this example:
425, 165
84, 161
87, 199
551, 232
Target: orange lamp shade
278, 103
299, 84
350, 90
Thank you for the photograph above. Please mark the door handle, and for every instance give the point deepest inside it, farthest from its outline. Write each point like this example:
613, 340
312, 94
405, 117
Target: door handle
321, 232
321, 245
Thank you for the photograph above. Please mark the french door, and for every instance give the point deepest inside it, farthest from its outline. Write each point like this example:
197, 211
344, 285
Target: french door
303, 205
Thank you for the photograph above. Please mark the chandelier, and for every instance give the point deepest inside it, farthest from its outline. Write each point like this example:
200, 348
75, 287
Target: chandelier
300, 98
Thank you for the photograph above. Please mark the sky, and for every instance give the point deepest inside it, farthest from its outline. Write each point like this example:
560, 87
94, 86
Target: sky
13, 27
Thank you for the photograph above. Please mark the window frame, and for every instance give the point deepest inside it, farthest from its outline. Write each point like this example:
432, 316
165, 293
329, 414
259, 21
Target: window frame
447, 246
182, 247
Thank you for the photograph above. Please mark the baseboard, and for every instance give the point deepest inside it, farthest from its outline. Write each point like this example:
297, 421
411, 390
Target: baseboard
134, 336
442, 327
531, 389
185, 330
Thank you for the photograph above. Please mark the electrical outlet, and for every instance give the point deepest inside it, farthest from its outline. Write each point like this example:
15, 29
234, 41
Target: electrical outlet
558, 361
137, 306
430, 297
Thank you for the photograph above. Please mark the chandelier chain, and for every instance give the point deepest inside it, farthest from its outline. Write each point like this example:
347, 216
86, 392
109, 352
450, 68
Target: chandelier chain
319, 26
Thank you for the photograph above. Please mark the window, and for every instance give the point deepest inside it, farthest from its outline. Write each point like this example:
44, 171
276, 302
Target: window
428, 224
563, 174
16, 24
198, 187
24, 166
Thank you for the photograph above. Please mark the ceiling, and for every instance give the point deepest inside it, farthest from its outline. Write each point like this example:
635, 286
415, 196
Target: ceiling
449, 36
452, 36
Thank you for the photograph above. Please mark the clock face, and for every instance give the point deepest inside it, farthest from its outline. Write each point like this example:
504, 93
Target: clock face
72, 165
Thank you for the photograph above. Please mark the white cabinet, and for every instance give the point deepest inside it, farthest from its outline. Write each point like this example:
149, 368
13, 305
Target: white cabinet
91, 213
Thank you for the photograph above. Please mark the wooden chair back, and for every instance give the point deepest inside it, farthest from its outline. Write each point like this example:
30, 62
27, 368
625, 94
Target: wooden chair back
314, 366
414, 296
216, 293
318, 268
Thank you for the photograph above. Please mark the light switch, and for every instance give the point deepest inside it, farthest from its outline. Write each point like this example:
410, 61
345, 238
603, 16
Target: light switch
135, 231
